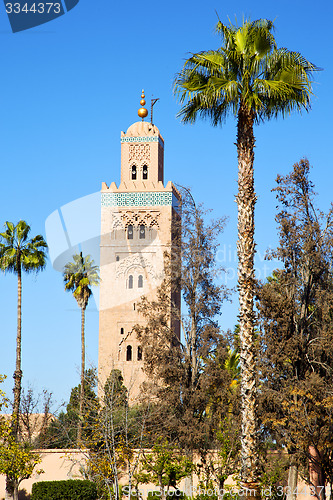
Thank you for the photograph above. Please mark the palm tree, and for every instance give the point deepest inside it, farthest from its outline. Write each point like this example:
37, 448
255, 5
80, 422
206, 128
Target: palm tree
79, 276
231, 364
17, 253
253, 79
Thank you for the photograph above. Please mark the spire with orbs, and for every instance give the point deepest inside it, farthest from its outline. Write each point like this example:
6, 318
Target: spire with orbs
142, 112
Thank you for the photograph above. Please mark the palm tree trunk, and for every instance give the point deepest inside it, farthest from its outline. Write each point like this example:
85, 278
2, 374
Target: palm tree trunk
11, 486
246, 200
79, 429
18, 372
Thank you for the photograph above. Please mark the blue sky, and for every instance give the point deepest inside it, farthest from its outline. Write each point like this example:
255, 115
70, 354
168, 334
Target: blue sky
70, 86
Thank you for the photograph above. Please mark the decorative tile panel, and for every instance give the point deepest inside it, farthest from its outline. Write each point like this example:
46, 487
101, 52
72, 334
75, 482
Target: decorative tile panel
148, 199
145, 138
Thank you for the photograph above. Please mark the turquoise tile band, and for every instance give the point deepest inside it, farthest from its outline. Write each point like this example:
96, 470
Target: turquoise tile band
149, 199
153, 138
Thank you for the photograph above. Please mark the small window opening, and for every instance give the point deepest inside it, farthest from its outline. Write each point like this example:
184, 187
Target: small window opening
139, 353
122, 331
130, 281
129, 353
117, 258
140, 281
130, 232
145, 172
142, 232
134, 306
133, 173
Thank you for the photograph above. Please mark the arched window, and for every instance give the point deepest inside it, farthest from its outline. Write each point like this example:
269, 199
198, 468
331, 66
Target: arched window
130, 281
139, 353
140, 281
133, 173
130, 232
145, 172
122, 331
129, 353
142, 231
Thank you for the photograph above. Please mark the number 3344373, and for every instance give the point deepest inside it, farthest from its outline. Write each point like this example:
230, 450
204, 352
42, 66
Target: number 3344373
36, 8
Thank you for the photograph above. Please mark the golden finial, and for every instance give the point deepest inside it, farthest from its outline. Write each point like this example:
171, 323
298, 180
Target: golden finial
143, 112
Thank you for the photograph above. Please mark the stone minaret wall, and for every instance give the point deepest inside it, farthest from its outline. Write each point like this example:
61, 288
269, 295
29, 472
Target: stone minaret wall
136, 229
138, 153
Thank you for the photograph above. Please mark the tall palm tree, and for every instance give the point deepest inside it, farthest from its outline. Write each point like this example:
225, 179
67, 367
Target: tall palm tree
253, 79
17, 253
79, 276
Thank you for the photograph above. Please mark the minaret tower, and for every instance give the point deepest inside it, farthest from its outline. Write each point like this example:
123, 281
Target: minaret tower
136, 229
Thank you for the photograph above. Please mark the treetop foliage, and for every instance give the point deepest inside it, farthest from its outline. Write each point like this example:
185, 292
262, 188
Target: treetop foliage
248, 70
79, 275
295, 311
17, 250
187, 374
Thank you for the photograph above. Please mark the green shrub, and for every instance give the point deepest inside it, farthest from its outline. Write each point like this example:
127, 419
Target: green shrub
64, 490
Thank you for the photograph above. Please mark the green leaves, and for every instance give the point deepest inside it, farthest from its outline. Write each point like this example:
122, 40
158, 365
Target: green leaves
10, 226
17, 460
17, 251
79, 275
165, 466
241, 38
70, 488
262, 45
267, 80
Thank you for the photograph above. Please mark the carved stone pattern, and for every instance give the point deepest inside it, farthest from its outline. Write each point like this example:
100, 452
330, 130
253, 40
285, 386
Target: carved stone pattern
116, 221
146, 217
139, 152
135, 260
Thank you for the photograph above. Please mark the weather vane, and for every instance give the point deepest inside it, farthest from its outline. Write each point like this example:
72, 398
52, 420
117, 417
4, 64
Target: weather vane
153, 102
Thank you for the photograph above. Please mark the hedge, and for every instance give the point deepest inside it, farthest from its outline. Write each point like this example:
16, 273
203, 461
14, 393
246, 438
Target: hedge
64, 490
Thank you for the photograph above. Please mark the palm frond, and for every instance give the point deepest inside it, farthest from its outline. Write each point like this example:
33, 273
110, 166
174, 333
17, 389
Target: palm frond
248, 68
79, 275
227, 33
16, 250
